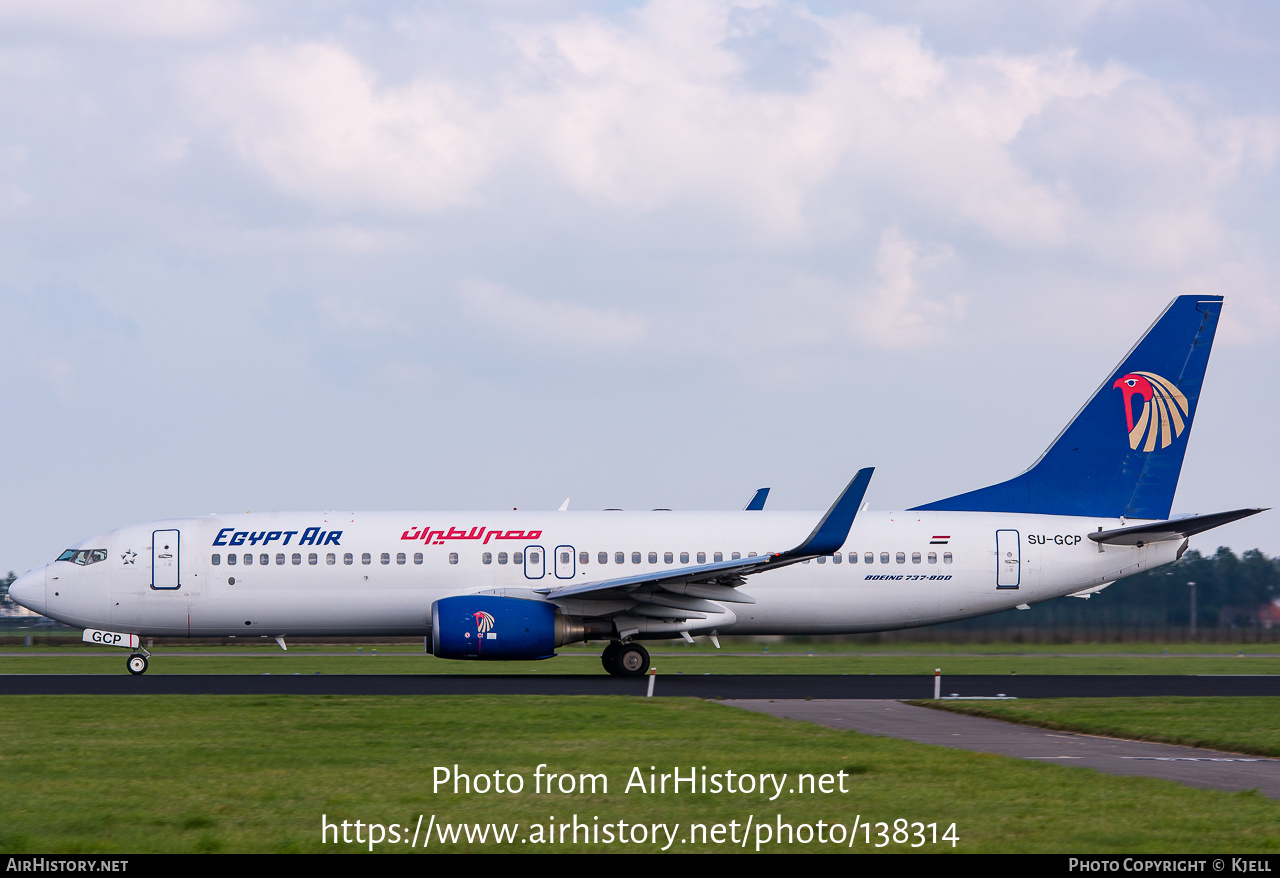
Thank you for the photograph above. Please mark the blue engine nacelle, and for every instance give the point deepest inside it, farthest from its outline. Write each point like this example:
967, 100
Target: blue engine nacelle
493, 628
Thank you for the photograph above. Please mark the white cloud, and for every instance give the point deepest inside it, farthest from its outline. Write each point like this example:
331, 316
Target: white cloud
348, 314
651, 110
58, 373
759, 127
896, 314
552, 325
313, 119
128, 19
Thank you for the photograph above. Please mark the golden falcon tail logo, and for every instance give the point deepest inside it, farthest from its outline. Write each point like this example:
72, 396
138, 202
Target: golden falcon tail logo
1163, 409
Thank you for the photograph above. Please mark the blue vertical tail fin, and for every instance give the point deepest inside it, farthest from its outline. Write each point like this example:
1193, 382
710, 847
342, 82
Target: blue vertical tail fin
1122, 453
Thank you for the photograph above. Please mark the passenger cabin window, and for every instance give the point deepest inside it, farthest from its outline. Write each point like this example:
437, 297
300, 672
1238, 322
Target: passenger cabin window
635, 557
822, 559
667, 558
248, 558
280, 558
417, 557
884, 557
366, 558
836, 558
584, 557
603, 557
946, 557
736, 555
348, 558
564, 557
702, 557
297, 559
915, 557
653, 557
933, 557
901, 557
517, 557
718, 556
502, 557
868, 558
231, 559
264, 559
486, 558
216, 559
684, 557
534, 558
313, 559
453, 557
386, 557
619, 558
400, 558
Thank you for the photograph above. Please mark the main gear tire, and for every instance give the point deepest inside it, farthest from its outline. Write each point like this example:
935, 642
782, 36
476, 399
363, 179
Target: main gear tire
609, 658
632, 660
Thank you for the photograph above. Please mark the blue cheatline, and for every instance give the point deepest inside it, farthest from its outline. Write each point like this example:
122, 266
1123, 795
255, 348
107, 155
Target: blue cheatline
1122, 453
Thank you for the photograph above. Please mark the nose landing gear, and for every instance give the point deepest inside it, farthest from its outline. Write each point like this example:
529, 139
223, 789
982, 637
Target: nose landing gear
625, 659
137, 664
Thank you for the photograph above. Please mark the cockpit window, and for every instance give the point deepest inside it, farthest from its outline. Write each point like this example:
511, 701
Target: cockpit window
83, 557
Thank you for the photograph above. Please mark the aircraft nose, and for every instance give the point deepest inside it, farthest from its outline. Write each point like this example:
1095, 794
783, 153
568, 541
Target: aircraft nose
28, 590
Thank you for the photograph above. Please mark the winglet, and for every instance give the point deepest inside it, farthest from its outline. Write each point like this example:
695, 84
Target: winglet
833, 530
757, 502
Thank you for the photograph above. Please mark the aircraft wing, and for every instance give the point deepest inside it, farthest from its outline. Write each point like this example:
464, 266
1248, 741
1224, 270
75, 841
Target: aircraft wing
1173, 529
689, 592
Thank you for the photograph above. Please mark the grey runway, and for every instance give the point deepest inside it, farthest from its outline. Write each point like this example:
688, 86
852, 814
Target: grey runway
1189, 765
716, 686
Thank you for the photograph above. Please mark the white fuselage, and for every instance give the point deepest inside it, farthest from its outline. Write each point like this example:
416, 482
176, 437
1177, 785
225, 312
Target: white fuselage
360, 574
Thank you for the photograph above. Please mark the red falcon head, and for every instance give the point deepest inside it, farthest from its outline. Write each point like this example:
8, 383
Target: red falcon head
1129, 385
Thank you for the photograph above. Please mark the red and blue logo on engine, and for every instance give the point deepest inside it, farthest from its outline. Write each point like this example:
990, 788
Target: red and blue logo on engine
1164, 410
493, 627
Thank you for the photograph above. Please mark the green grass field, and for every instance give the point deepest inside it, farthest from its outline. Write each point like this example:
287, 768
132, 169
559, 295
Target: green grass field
1239, 725
246, 774
255, 657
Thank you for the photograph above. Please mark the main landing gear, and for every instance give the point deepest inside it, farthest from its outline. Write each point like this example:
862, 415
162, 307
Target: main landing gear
625, 659
137, 664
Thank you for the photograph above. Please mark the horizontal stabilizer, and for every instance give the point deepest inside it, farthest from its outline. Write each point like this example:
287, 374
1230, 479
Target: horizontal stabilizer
1173, 529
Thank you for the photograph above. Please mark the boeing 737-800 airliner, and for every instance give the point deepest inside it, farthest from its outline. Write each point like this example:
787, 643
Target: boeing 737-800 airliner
516, 585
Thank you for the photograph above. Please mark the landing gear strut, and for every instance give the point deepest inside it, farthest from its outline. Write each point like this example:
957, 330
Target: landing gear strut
625, 659
137, 664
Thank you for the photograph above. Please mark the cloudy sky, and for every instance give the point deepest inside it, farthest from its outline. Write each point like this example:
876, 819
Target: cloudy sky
309, 255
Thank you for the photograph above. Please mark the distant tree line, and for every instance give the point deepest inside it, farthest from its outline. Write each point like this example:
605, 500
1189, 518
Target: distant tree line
6, 602
1230, 592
